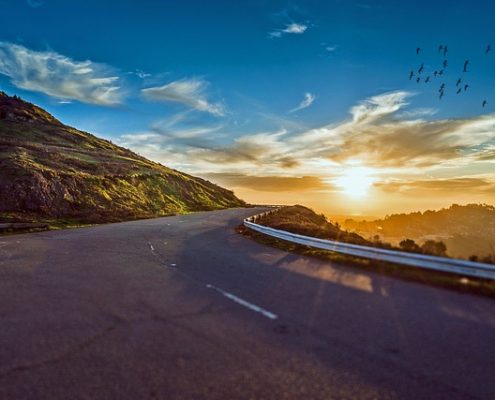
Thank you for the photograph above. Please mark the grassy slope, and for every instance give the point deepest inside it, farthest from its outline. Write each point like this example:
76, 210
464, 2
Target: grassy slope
49, 171
304, 221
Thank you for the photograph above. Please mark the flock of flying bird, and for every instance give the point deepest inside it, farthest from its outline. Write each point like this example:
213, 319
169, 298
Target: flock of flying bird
460, 86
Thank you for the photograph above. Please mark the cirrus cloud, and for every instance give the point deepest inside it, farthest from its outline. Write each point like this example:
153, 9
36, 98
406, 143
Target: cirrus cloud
190, 92
305, 103
59, 76
35, 3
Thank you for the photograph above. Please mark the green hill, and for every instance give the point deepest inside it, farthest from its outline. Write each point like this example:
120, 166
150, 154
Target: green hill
50, 171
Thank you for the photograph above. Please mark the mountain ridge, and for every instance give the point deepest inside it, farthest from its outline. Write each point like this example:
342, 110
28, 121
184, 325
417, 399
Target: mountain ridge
52, 171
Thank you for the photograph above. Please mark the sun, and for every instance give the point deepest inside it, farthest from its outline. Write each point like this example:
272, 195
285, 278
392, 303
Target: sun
356, 181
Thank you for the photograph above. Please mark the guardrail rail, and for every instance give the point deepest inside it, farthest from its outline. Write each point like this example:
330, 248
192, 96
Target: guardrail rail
452, 265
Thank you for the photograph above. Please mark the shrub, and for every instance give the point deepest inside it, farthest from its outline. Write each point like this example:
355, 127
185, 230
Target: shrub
410, 245
435, 248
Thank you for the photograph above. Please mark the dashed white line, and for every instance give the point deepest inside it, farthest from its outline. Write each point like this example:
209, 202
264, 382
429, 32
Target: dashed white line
247, 304
230, 296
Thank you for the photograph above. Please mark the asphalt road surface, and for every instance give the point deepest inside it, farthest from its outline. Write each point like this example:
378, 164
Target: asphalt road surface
184, 308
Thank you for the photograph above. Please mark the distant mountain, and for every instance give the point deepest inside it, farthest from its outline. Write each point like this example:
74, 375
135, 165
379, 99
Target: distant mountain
51, 171
466, 230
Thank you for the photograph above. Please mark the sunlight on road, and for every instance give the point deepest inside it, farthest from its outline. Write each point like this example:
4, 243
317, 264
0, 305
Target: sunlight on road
327, 273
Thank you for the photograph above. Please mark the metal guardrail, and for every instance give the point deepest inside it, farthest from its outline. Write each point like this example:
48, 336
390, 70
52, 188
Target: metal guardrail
452, 265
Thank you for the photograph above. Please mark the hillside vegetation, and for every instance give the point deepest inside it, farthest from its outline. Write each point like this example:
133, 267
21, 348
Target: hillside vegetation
304, 221
50, 171
467, 230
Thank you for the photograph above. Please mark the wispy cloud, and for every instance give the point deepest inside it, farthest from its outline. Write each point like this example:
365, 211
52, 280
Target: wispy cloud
305, 103
190, 92
292, 28
35, 3
59, 76
141, 74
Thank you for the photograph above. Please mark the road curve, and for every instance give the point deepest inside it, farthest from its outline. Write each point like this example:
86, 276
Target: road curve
184, 308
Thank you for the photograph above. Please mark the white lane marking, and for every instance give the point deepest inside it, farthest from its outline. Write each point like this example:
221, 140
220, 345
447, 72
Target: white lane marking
173, 265
244, 303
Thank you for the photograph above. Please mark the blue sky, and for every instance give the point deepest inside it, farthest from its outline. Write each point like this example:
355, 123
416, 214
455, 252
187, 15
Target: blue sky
207, 86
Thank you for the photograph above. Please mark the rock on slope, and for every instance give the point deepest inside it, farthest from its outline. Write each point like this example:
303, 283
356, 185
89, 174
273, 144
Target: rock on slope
51, 171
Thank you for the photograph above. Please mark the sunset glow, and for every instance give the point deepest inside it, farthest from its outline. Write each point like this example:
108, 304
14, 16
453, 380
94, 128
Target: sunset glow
300, 105
356, 181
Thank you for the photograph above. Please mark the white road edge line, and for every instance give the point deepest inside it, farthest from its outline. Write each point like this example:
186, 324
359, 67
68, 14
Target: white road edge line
244, 303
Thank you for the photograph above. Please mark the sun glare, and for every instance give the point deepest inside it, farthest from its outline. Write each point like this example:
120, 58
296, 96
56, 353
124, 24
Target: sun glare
355, 181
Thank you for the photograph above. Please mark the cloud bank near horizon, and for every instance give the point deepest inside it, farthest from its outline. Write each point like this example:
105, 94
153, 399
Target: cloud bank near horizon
378, 134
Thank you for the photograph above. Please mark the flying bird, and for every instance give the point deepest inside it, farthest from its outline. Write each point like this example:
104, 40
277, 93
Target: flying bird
466, 65
466, 87
445, 50
459, 91
442, 87
411, 74
427, 79
484, 103
440, 72
421, 68
435, 73
488, 49
458, 82
440, 48
445, 63
441, 94
418, 50
418, 79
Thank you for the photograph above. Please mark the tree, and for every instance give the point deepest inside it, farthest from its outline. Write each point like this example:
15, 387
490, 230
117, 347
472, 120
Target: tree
488, 259
410, 245
435, 248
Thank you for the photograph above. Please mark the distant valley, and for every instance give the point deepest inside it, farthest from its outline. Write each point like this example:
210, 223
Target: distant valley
467, 230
